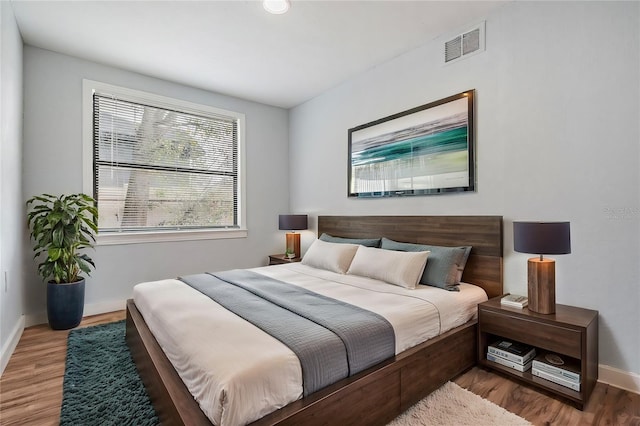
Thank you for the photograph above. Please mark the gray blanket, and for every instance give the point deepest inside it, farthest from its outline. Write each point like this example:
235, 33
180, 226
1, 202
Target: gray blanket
332, 339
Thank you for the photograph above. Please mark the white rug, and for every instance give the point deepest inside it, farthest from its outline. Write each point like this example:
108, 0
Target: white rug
452, 405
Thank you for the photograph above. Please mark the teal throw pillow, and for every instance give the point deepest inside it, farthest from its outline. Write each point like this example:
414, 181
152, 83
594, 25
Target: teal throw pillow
368, 242
445, 265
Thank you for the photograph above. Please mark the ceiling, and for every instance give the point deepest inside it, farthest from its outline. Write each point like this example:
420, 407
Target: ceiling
238, 49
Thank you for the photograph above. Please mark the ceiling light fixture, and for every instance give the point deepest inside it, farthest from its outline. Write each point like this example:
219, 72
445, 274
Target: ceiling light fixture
277, 7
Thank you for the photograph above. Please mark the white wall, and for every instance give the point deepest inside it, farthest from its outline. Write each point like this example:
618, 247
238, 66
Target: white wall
11, 203
557, 107
53, 163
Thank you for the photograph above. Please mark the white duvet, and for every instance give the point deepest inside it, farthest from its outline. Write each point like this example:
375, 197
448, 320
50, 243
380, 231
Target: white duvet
238, 373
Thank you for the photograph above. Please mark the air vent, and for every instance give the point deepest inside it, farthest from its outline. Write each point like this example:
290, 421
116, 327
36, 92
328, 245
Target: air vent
465, 44
471, 41
453, 49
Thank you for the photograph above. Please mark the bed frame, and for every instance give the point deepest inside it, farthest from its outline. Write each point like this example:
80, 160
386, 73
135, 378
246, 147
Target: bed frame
377, 395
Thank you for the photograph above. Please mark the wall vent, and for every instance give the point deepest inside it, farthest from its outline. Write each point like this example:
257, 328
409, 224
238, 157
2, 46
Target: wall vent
466, 43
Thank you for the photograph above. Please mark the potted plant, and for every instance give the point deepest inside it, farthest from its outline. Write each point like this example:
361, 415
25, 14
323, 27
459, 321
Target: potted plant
61, 227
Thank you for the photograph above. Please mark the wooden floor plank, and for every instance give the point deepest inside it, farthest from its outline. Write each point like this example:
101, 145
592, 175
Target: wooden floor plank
607, 406
31, 388
31, 385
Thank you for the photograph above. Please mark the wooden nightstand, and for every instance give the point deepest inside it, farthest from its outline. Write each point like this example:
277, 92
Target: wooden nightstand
279, 259
570, 331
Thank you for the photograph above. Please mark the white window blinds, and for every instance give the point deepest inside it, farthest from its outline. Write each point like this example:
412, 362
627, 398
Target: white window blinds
158, 168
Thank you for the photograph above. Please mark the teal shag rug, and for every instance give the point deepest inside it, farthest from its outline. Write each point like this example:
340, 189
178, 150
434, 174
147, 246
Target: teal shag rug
101, 384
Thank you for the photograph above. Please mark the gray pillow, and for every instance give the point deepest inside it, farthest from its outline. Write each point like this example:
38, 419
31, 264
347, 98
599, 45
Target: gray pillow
445, 265
367, 242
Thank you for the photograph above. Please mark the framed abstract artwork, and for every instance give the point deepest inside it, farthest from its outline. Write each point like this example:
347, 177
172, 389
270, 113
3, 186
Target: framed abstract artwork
422, 151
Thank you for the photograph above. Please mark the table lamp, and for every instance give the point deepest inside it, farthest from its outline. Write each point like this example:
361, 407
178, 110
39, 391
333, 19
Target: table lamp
292, 222
542, 238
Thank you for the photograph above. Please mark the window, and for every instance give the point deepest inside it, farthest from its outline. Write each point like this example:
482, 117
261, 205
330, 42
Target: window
162, 167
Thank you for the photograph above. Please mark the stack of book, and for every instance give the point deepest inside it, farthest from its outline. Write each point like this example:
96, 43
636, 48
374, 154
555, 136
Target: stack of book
514, 301
511, 354
558, 369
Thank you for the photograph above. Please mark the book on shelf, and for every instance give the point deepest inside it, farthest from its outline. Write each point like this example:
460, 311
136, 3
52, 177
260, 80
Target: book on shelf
508, 363
559, 365
555, 379
513, 351
514, 301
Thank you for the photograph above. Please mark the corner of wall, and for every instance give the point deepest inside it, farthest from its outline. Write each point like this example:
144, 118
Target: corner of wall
11, 343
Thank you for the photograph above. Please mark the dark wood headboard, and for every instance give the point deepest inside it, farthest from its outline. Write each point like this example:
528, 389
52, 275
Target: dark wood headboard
482, 233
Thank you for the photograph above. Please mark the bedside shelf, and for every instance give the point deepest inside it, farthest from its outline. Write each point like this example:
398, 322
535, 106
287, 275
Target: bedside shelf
570, 331
530, 378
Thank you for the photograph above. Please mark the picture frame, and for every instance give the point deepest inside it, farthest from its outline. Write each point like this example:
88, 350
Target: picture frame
425, 150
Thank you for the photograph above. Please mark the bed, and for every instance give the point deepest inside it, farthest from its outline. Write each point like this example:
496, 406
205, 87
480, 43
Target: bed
381, 392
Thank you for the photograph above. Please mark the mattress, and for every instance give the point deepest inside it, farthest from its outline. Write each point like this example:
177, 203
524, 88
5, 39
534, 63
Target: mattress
238, 374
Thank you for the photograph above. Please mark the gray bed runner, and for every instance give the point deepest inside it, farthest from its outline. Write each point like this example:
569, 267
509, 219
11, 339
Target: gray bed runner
332, 339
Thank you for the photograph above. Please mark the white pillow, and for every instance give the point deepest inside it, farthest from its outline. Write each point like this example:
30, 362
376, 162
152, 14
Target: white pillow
394, 267
334, 257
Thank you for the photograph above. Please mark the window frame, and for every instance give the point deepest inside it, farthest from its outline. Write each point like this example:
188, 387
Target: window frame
89, 87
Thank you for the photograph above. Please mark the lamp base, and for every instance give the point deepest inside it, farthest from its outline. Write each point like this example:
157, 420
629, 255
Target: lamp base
542, 285
293, 243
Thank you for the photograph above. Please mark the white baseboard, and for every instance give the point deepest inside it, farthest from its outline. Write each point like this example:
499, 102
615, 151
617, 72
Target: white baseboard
90, 309
11, 343
41, 318
619, 378
104, 307
35, 319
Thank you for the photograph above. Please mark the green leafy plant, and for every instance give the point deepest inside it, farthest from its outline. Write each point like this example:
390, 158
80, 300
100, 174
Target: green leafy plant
61, 227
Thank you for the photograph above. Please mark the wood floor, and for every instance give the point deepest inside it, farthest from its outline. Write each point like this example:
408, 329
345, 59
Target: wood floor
31, 388
31, 385
608, 405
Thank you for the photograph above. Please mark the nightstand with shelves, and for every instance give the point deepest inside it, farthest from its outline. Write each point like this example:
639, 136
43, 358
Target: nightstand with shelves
570, 332
279, 259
